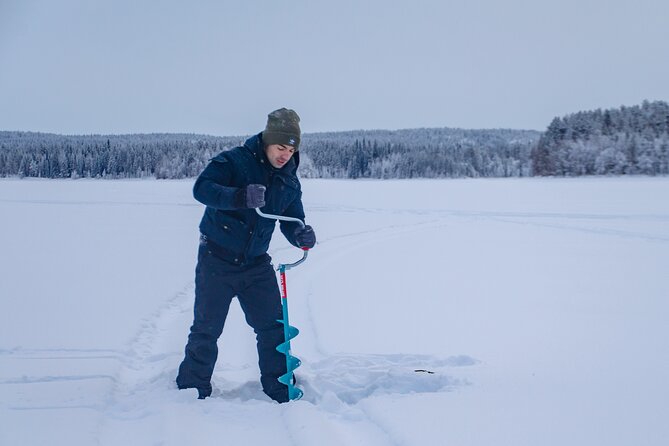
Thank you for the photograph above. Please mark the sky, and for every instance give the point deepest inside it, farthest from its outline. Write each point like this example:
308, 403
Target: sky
219, 67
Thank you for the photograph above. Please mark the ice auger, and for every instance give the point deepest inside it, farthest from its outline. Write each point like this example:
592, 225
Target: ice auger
289, 332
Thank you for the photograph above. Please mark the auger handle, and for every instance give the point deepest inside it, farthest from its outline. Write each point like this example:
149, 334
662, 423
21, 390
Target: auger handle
279, 217
293, 219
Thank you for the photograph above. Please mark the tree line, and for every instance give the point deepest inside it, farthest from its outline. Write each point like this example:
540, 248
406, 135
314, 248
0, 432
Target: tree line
626, 140
43, 155
415, 153
418, 153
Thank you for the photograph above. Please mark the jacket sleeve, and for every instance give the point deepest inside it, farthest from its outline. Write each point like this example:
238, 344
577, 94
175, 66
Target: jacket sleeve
295, 210
212, 186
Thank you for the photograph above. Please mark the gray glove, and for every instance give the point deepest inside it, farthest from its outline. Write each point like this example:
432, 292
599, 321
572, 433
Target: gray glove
251, 196
305, 237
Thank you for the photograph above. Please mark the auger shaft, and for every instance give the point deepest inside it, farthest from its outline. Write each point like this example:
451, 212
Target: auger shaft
289, 332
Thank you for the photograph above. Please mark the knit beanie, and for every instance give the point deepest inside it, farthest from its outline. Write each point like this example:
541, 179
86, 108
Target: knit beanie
283, 127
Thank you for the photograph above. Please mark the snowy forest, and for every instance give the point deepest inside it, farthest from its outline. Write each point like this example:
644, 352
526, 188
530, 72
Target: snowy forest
428, 153
627, 140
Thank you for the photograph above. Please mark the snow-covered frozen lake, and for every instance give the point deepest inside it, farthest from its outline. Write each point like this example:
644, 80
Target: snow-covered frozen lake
540, 306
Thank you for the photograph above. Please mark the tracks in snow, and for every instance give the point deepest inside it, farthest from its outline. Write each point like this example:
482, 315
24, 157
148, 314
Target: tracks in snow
335, 403
592, 223
144, 402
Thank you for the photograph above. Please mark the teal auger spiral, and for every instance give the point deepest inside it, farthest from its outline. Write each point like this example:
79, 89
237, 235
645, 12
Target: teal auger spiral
289, 332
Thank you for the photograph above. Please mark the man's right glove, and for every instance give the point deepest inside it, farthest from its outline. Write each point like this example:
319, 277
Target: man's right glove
305, 237
251, 196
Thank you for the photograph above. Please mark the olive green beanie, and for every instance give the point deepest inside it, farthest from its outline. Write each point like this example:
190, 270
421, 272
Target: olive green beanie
283, 127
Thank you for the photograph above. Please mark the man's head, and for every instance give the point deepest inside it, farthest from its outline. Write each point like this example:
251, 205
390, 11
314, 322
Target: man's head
283, 127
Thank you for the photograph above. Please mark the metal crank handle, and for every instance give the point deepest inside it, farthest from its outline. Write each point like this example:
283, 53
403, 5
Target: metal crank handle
305, 251
279, 217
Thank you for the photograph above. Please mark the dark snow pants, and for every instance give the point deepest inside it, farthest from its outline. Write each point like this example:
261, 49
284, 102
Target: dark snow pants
255, 285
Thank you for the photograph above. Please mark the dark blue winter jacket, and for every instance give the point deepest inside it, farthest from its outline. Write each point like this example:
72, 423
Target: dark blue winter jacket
242, 234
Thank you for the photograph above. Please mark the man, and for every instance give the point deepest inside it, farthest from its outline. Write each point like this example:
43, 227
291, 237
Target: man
233, 259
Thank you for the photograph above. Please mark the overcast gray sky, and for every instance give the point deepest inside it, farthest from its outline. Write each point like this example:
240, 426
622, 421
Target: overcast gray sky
219, 66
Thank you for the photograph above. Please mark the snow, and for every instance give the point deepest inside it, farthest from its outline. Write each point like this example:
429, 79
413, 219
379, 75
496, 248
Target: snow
540, 306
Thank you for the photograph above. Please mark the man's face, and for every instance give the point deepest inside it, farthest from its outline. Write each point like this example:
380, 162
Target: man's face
279, 154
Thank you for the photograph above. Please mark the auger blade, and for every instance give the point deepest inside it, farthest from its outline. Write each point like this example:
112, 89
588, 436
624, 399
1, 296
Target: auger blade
294, 393
283, 348
292, 331
286, 379
292, 362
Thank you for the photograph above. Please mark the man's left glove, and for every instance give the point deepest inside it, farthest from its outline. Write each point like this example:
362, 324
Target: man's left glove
305, 237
